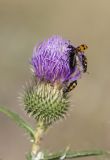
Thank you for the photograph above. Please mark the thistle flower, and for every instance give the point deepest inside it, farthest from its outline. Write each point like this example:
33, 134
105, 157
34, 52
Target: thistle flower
55, 65
50, 61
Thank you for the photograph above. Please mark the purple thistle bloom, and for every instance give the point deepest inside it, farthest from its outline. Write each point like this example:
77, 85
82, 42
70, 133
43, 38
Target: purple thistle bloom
50, 61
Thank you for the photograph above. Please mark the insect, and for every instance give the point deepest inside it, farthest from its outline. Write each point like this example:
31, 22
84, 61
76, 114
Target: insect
72, 62
74, 52
70, 86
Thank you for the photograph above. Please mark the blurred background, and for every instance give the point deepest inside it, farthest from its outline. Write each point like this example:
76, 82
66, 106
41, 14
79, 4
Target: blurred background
23, 23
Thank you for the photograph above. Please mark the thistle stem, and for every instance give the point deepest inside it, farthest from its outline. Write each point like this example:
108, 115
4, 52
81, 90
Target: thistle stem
37, 135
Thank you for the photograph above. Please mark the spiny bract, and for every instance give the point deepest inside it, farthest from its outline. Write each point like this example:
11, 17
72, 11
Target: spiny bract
45, 102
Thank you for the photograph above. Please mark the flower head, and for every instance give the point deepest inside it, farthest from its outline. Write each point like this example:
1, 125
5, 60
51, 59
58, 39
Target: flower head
50, 61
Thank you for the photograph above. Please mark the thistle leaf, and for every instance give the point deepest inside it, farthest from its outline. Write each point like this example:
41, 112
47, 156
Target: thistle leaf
75, 154
15, 117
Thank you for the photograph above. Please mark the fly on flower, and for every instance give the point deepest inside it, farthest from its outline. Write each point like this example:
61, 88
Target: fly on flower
78, 51
77, 58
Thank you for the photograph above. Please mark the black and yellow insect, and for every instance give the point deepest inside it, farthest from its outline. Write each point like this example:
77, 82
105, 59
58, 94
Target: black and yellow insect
69, 87
72, 62
72, 56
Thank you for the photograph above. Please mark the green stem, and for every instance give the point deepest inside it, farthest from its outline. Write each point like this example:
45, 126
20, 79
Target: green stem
37, 138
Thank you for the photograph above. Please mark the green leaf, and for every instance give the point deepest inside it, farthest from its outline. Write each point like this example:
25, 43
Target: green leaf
15, 117
75, 154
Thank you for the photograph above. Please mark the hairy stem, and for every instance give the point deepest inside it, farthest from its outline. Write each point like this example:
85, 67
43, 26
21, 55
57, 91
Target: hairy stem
37, 135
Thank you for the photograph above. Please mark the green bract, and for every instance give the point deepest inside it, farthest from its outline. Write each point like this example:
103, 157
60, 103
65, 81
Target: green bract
45, 102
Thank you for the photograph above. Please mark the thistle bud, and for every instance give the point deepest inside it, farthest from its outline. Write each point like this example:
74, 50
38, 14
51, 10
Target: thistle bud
45, 102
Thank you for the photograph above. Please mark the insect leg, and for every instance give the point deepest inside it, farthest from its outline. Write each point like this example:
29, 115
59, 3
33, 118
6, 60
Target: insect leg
70, 86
